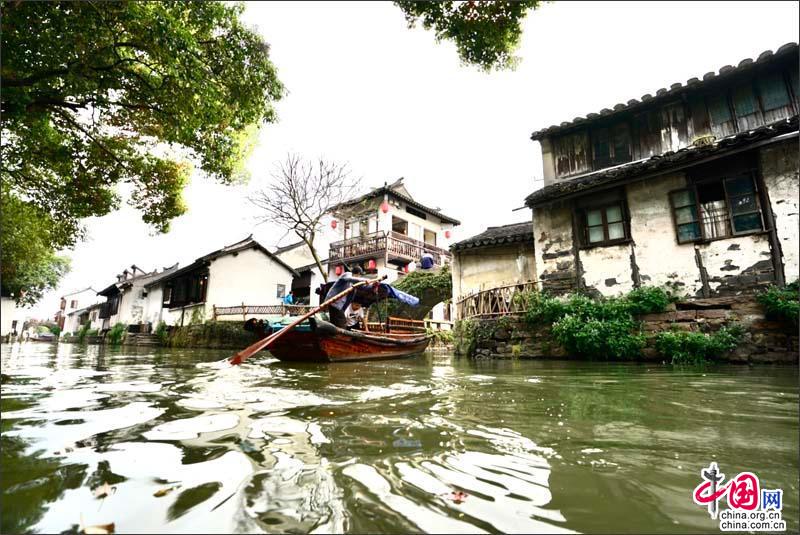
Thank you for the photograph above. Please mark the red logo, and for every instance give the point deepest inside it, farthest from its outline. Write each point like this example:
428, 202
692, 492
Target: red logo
743, 490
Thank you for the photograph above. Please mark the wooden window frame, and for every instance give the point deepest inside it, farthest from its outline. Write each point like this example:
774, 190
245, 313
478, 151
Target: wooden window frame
611, 141
693, 187
278, 292
584, 224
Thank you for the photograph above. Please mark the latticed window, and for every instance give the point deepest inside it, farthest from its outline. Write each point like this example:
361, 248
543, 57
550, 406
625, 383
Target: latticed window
717, 209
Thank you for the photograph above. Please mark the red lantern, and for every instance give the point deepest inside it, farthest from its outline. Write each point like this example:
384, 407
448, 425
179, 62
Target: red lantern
339, 270
405, 268
447, 234
333, 224
372, 264
385, 207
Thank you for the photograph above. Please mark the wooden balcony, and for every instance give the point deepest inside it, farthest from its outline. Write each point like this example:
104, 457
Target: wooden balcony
387, 245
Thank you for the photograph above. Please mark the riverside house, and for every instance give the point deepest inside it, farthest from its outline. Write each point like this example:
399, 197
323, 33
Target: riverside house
243, 274
695, 188
127, 299
498, 256
386, 232
71, 303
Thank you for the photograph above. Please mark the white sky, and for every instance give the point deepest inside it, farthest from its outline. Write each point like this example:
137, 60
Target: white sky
364, 89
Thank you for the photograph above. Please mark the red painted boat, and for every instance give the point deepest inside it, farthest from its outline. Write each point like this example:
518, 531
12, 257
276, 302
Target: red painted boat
321, 341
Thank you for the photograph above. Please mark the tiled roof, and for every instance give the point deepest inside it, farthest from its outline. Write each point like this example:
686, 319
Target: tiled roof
247, 243
662, 162
492, 236
388, 189
674, 90
279, 250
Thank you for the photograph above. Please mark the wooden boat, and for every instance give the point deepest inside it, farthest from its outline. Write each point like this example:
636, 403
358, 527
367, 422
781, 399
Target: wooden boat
311, 339
321, 341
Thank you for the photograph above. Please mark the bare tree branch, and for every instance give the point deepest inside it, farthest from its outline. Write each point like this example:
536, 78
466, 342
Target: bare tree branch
301, 193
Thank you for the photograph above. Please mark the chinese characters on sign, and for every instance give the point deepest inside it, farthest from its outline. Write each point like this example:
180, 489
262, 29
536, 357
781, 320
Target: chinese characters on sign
750, 508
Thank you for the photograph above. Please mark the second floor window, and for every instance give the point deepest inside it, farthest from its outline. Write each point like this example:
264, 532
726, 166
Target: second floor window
73, 304
611, 146
716, 209
281, 291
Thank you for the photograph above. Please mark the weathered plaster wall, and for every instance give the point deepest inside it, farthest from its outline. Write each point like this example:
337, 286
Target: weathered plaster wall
555, 261
487, 267
659, 257
779, 168
607, 270
737, 265
153, 304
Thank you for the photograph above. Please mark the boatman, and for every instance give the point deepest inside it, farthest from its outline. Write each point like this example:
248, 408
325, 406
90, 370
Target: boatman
338, 308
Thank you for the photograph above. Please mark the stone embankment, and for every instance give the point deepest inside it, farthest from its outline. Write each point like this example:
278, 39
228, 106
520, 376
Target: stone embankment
764, 340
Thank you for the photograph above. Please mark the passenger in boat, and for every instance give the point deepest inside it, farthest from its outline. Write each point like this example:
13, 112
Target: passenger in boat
337, 310
355, 316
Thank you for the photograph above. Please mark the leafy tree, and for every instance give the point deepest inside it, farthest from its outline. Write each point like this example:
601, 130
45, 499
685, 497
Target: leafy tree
485, 33
100, 94
29, 267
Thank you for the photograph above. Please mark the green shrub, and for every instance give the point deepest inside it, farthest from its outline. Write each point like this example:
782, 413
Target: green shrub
55, 329
162, 332
441, 337
611, 338
83, 332
116, 333
599, 328
647, 300
683, 347
782, 303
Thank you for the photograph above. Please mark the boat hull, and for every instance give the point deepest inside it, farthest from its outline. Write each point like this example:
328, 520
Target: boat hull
326, 343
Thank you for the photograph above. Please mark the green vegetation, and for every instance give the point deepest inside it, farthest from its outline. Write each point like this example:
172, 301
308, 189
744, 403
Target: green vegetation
29, 267
598, 328
116, 334
213, 334
485, 33
85, 331
55, 329
683, 347
782, 303
92, 96
440, 337
608, 338
162, 332
431, 287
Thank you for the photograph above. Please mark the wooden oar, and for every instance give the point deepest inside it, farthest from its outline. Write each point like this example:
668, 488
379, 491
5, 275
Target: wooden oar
248, 352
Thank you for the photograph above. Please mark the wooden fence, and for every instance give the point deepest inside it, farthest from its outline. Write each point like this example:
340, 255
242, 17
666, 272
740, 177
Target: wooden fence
506, 300
270, 310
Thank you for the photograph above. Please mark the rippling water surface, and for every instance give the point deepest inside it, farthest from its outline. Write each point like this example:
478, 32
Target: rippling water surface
433, 443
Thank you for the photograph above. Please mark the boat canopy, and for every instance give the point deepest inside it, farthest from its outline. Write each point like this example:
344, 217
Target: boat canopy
368, 295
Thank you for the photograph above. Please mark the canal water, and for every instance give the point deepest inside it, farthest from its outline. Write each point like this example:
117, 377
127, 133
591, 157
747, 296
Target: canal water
186, 443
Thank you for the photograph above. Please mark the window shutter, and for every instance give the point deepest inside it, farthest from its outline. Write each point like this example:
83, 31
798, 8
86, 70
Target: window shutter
773, 91
744, 100
718, 109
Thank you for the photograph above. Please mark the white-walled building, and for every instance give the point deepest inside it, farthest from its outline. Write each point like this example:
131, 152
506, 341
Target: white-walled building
76, 319
244, 273
386, 232
11, 316
72, 302
127, 299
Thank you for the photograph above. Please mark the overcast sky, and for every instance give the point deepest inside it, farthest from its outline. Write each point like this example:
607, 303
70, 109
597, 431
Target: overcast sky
364, 89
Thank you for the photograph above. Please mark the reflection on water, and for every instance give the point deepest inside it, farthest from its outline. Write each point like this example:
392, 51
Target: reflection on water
432, 444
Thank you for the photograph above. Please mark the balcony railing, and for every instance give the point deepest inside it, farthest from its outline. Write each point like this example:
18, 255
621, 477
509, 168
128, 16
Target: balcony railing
392, 244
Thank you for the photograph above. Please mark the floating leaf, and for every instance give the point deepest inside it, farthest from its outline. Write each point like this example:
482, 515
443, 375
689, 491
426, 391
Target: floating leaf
104, 490
163, 492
